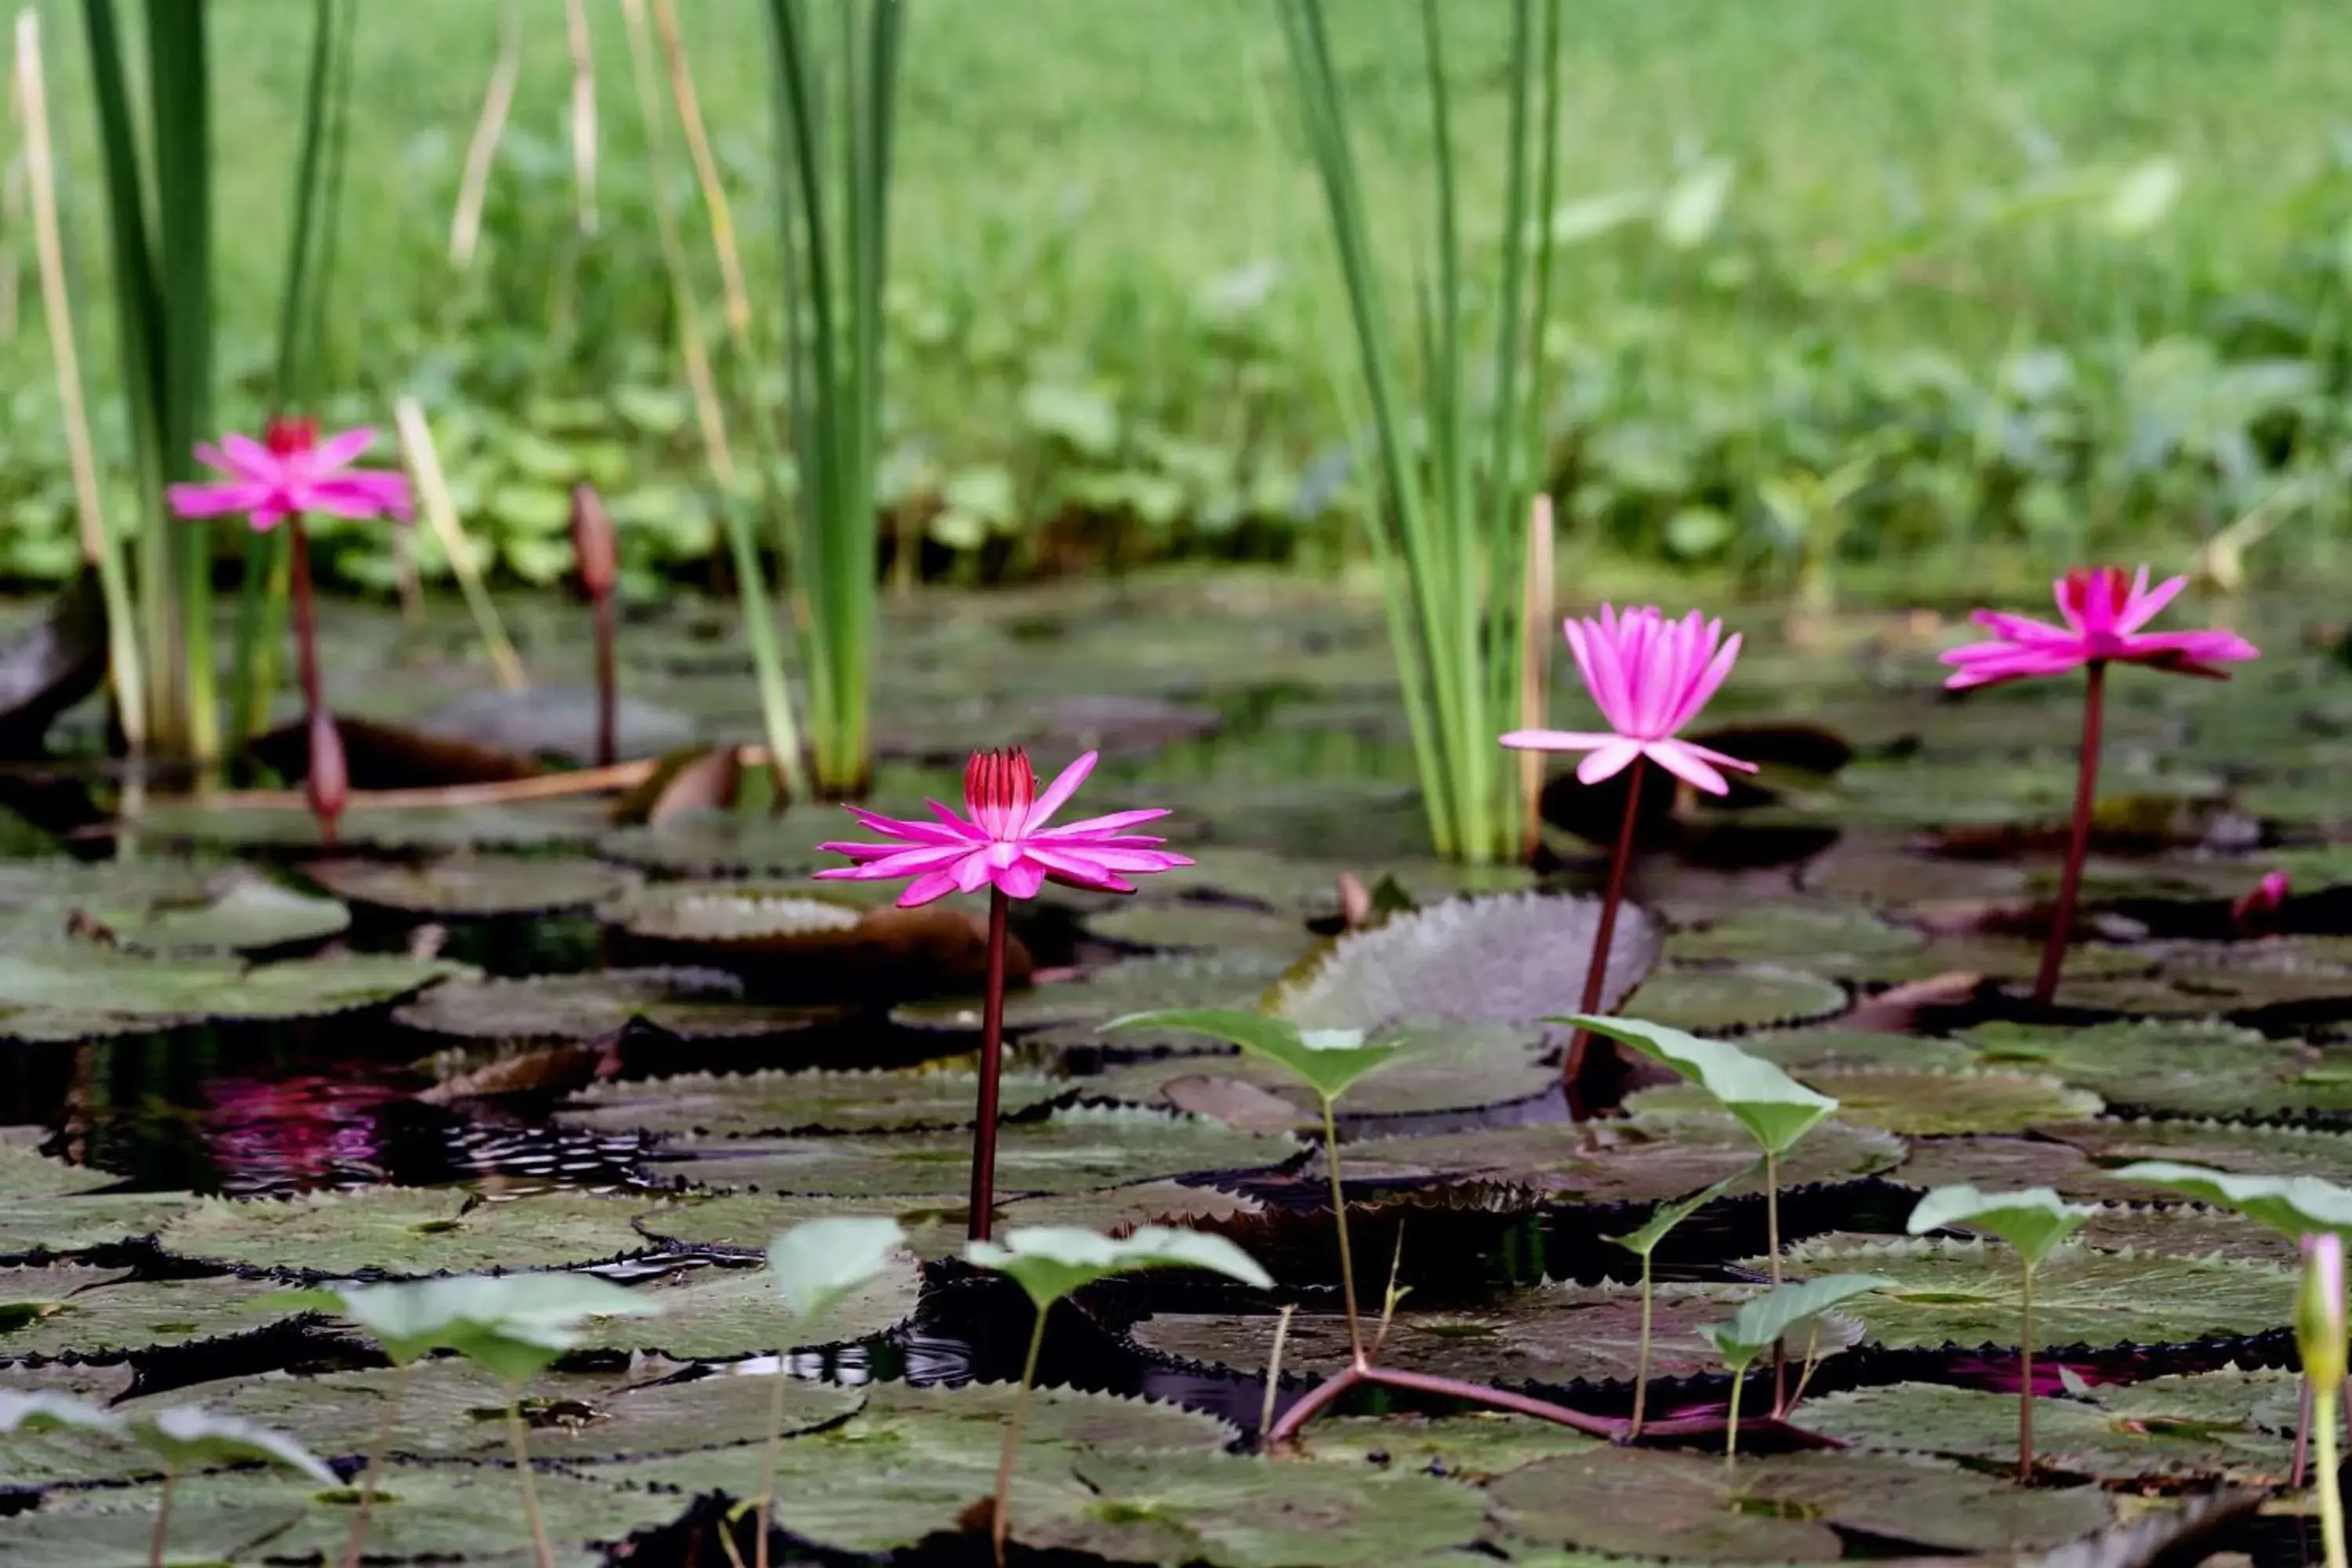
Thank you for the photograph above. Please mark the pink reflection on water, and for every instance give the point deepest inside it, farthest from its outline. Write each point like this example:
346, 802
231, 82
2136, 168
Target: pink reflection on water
1999, 1374
309, 1130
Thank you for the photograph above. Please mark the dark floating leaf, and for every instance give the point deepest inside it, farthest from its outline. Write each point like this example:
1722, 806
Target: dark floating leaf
1472, 1448
1803, 1051
1920, 1104
396, 830
712, 1106
1456, 1066
1834, 940
470, 887
70, 992
2224, 1146
1198, 926
2181, 1066
1231, 979
407, 1231
734, 844
695, 1004
724, 1313
49, 667
55, 1309
1729, 1001
1996, 1164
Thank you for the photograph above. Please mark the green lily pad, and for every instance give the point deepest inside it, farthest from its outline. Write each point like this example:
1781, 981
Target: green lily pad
1643, 1158
1785, 1509
238, 913
2186, 1064
1800, 1052
1920, 1104
2234, 980
1439, 1067
2187, 1230
1290, 885
2012, 960
1507, 958
1966, 1293
1472, 1447
747, 1221
406, 1231
719, 913
402, 830
1076, 1148
2199, 1427
1230, 979
1995, 1163
45, 1458
2223, 1145
27, 1174
1833, 940
83, 990
736, 844
1199, 927
52, 1310
471, 887
713, 1106
693, 1003
1731, 1000
717, 1314
1553, 1334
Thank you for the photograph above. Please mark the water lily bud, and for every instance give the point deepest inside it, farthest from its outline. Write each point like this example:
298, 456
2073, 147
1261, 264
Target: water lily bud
591, 542
285, 437
328, 786
2260, 900
2319, 1331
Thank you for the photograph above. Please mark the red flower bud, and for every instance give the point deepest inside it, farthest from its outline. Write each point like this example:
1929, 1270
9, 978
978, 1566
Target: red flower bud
592, 545
287, 437
328, 786
998, 788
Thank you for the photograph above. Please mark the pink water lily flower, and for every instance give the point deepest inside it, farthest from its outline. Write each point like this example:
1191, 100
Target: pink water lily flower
1651, 676
291, 471
1004, 842
2104, 611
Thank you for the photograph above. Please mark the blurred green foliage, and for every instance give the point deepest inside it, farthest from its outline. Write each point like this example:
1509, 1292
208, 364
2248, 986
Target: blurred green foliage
1841, 281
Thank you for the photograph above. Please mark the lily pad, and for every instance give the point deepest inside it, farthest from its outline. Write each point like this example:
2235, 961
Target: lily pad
26, 1172
1552, 1334
1800, 1052
2237, 981
1199, 927
1472, 1447
2187, 1230
2199, 1426
1833, 939
406, 1231
1229, 979
1458, 1067
713, 1106
1920, 1104
2223, 1145
80, 1223
747, 1221
1785, 1509
739, 844
1995, 1163
1509, 958
82, 990
1731, 1000
58, 1309
1290, 884
402, 830
1084, 1146
1966, 1293
238, 912
693, 1003
712, 1313
2188, 1065
471, 887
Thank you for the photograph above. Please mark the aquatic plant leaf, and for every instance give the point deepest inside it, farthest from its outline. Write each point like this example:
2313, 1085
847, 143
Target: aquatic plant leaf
1474, 1448
2200, 1426
83, 990
2224, 1146
904, 1422
471, 887
1049, 1262
59, 1309
1423, 1068
33, 1456
75, 1224
514, 1324
817, 1263
1967, 1293
1230, 979
1826, 1048
747, 1222
1775, 1108
2187, 1230
710, 844
1997, 1163
1922, 1103
713, 1313
1509, 958
1827, 939
26, 1174
2237, 981
712, 1106
1327, 1060
1177, 927
1643, 1241
402, 830
2032, 1222
1550, 1334
37, 1412
1763, 1320
1296, 886
692, 1004
1784, 1508
2193, 1064
1071, 1150
2293, 1205
1748, 997
243, 914
189, 1437
406, 1231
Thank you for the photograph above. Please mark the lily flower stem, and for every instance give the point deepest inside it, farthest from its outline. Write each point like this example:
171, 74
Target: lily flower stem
1339, 1219
1596, 971
607, 681
999, 1524
2025, 1379
1641, 1356
992, 1064
306, 622
2078, 842
377, 1452
2331, 1495
1773, 1253
768, 1464
521, 1445
2301, 1440
163, 1524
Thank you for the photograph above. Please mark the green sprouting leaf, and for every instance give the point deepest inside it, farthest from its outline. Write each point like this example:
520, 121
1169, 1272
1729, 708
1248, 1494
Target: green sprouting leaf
1759, 1323
2032, 1221
187, 1436
2293, 1204
1666, 1216
818, 1262
1328, 1060
1776, 1108
514, 1324
41, 1410
1051, 1261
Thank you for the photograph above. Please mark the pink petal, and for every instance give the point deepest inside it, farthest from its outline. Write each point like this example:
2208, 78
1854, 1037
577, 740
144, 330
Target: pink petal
908, 862
358, 495
1710, 679
267, 517
902, 828
863, 852
1096, 824
1065, 785
1075, 868
973, 872
2146, 603
1021, 879
958, 826
1678, 759
215, 501
1720, 759
1606, 677
248, 457
923, 890
1608, 761
337, 451
1559, 739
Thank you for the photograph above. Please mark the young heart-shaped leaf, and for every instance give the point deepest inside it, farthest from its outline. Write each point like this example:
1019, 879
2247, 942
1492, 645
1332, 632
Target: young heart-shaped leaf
1327, 1060
1776, 1108
1051, 1261
1760, 1322
1666, 1216
185, 1436
514, 1324
35, 1413
2032, 1221
2295, 1205
816, 1263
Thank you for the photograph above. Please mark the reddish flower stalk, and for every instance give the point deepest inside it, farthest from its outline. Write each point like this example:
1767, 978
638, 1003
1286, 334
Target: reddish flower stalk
327, 783
2102, 611
592, 551
1649, 677
1004, 845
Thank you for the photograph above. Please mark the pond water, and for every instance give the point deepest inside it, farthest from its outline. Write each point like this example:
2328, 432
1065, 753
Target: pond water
530, 1035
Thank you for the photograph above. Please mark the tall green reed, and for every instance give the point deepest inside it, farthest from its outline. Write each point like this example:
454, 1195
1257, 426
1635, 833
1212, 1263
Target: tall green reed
836, 80
1449, 524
